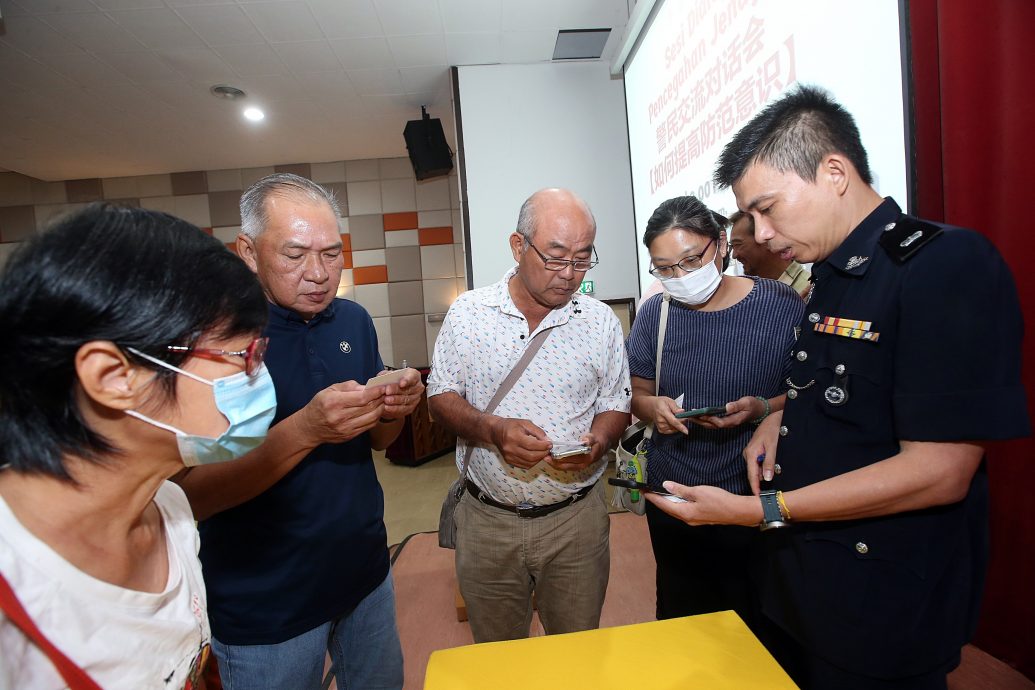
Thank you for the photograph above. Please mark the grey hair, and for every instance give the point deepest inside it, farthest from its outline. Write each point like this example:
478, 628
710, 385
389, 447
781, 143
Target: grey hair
526, 219
254, 217
527, 215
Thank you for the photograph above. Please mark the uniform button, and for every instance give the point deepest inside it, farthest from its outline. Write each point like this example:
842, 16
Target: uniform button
839, 369
802, 355
835, 395
861, 547
312, 351
888, 228
813, 317
784, 431
792, 394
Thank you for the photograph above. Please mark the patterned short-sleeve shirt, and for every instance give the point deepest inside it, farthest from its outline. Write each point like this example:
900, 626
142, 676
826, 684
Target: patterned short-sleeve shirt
580, 372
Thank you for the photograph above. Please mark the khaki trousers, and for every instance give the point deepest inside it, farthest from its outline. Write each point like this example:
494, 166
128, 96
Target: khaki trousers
501, 559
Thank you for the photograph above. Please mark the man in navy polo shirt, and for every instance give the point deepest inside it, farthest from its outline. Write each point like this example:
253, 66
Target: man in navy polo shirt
293, 541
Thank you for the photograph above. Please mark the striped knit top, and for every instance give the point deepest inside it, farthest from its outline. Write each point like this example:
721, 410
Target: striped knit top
711, 358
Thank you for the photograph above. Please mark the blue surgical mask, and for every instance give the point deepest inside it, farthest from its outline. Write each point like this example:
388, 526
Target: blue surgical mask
248, 402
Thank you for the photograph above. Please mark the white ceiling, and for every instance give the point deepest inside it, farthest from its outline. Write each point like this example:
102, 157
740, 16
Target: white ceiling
105, 88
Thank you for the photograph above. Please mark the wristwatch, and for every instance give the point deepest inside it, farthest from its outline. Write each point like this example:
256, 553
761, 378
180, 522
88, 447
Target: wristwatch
772, 516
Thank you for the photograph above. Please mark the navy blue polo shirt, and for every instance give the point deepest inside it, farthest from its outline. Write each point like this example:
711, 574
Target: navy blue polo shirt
313, 545
928, 348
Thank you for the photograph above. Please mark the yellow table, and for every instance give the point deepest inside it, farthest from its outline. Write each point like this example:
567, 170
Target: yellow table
711, 651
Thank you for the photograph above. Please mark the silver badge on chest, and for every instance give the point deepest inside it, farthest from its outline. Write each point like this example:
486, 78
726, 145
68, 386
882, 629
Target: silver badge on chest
835, 395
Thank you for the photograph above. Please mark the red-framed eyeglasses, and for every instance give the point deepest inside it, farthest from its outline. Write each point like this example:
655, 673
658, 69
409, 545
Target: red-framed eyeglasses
252, 354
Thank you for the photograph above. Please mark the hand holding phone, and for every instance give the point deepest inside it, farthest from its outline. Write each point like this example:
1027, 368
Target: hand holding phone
642, 486
715, 411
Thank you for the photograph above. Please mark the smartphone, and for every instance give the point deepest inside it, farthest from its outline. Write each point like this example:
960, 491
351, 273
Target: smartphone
717, 411
564, 450
642, 486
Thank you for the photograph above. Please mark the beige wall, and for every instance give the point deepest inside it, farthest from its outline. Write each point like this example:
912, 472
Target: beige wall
403, 238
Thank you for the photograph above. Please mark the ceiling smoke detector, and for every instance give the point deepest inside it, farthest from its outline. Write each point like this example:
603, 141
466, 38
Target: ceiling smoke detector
230, 93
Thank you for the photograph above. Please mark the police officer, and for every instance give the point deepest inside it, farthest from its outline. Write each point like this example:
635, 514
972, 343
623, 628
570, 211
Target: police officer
908, 356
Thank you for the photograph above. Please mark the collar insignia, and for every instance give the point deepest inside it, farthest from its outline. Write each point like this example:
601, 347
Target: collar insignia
911, 239
855, 262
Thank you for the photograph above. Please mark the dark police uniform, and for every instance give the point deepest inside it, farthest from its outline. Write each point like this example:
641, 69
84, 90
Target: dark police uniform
912, 332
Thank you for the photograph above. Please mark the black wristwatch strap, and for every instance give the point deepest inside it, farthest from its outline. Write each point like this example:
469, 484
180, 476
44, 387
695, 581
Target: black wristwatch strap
772, 518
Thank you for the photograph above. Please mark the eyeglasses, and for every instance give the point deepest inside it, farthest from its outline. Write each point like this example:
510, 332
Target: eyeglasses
252, 354
688, 264
554, 264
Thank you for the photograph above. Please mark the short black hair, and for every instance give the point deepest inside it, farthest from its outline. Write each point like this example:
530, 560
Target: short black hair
738, 216
140, 279
794, 133
684, 213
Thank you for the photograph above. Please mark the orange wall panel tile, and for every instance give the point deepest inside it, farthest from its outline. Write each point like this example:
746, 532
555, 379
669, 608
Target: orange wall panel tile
346, 243
401, 221
435, 236
367, 275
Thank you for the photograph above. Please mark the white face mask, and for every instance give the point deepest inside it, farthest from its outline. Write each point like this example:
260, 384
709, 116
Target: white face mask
697, 287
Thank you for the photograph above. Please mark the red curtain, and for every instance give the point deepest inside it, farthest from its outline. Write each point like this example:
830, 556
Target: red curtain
973, 75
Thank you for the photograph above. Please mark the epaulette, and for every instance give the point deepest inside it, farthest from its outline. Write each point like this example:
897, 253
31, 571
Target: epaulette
904, 238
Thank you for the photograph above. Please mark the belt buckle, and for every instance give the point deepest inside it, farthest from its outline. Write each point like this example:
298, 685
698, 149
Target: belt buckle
525, 509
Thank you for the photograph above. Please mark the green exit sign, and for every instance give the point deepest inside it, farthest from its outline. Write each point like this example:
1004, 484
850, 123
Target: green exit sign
586, 287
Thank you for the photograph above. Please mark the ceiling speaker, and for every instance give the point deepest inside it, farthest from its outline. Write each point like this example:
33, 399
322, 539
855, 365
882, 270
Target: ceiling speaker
426, 144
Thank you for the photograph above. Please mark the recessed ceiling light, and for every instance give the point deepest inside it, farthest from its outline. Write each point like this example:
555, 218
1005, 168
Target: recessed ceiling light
254, 114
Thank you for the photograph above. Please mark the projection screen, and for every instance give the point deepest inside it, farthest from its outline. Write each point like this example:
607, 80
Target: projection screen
700, 69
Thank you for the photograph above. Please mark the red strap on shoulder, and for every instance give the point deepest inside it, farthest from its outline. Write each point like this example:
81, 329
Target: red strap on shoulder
76, 677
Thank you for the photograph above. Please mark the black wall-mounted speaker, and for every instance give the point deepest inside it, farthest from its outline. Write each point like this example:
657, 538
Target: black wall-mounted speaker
427, 146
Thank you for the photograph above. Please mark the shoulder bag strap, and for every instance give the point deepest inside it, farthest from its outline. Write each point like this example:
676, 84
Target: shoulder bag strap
76, 677
662, 325
508, 383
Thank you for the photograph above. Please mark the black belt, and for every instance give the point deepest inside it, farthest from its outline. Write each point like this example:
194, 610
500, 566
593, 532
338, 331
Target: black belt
527, 510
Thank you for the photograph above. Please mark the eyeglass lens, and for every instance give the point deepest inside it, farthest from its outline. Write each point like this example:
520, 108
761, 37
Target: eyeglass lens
254, 355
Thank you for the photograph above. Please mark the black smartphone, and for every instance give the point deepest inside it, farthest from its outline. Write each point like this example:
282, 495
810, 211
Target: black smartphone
633, 484
716, 411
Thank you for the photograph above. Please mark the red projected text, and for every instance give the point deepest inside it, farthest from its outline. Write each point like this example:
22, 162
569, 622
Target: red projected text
721, 67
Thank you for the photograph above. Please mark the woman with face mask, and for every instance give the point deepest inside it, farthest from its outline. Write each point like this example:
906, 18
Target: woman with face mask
130, 348
726, 345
